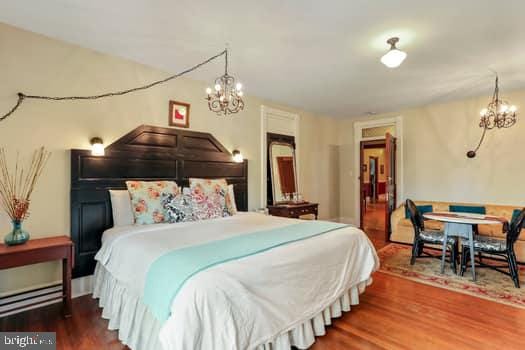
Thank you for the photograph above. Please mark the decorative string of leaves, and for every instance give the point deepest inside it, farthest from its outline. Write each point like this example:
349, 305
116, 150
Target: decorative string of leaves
22, 97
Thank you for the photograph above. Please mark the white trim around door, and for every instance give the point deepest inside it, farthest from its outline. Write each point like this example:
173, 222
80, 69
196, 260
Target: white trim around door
278, 122
358, 132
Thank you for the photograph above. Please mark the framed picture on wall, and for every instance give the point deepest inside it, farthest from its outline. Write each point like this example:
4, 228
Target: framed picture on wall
179, 114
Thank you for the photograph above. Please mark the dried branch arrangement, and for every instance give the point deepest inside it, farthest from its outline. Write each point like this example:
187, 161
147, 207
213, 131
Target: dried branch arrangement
17, 185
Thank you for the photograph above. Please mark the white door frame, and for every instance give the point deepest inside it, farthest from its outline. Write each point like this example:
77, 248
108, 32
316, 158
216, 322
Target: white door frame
278, 122
358, 137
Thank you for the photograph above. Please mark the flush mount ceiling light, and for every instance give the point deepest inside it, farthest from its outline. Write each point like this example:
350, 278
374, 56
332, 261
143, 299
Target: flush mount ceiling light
498, 114
394, 57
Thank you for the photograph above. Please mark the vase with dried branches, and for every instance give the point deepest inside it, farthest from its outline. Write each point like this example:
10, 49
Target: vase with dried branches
16, 187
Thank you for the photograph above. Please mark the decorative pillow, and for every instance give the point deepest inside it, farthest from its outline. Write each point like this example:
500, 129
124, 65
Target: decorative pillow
121, 208
146, 200
179, 208
231, 198
467, 209
423, 209
204, 188
209, 206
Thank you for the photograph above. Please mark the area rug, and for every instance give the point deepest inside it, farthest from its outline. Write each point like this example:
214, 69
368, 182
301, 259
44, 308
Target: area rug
490, 284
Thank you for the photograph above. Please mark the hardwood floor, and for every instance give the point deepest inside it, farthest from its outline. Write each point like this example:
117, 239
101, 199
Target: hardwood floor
394, 313
85, 330
374, 223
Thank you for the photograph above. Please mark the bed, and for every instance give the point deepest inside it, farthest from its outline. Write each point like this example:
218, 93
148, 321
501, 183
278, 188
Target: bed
273, 299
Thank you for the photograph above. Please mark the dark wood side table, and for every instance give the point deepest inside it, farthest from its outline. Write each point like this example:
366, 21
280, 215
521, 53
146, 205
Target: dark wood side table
43, 250
294, 210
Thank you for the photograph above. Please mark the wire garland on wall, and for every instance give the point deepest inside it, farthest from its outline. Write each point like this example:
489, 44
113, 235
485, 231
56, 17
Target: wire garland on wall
22, 97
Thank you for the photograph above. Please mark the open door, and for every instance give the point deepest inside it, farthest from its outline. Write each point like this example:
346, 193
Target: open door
362, 190
390, 179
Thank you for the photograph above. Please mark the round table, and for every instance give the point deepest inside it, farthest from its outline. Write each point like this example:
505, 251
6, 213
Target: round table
460, 225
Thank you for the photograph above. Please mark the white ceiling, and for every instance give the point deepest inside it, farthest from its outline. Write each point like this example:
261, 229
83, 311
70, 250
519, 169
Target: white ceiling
322, 56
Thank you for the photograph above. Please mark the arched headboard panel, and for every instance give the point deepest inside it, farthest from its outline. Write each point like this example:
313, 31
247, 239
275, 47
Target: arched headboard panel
147, 153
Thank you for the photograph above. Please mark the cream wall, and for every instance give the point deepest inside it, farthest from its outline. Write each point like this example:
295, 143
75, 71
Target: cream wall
35, 64
435, 141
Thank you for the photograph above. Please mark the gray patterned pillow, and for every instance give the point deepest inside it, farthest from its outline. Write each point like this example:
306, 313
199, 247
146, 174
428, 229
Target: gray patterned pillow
179, 208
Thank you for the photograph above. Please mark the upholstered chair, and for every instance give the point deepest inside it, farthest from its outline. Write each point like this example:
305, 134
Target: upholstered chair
423, 236
497, 247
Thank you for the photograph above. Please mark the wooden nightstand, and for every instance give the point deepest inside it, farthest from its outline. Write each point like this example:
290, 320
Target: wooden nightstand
42, 250
294, 210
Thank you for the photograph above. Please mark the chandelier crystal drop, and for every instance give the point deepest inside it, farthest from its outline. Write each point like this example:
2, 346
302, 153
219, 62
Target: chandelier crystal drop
499, 113
226, 96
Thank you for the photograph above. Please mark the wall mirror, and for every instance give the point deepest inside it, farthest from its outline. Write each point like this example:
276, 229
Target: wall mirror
281, 156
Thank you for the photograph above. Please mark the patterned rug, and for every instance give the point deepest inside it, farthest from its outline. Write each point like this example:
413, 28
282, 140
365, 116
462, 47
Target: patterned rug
490, 284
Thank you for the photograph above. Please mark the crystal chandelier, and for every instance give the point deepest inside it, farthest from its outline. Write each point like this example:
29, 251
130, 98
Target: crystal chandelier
498, 113
226, 98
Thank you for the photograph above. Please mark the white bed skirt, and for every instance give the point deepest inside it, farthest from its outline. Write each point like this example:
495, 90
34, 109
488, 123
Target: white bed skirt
139, 330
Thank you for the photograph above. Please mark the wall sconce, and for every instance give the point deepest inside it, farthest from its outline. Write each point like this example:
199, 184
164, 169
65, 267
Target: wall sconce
237, 156
97, 146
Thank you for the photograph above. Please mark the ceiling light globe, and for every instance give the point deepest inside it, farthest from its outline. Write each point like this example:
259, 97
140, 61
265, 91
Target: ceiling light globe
393, 58
504, 108
483, 112
208, 91
238, 86
217, 87
513, 109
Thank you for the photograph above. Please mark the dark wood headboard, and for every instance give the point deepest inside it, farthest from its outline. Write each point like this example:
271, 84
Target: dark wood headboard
146, 153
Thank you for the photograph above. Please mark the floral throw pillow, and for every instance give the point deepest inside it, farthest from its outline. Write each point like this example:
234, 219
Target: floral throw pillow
208, 207
211, 198
146, 200
179, 208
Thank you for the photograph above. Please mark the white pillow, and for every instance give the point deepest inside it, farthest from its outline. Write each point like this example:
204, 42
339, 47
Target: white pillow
121, 208
232, 198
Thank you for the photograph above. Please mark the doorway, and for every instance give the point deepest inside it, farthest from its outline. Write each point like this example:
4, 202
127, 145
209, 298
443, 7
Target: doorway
372, 189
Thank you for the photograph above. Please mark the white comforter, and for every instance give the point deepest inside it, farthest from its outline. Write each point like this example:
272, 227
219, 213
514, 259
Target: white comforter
243, 303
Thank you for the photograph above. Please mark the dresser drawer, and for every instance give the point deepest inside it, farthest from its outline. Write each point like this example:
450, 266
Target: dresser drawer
293, 211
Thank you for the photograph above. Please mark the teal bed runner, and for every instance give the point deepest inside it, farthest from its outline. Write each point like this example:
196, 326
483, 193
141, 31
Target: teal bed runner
169, 272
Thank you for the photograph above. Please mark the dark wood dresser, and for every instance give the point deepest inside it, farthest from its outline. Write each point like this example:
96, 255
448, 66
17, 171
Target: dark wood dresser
294, 210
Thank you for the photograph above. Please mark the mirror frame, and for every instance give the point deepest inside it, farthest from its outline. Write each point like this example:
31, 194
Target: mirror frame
272, 173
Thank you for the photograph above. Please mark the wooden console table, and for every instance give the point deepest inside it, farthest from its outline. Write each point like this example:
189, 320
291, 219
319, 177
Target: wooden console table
294, 210
42, 250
